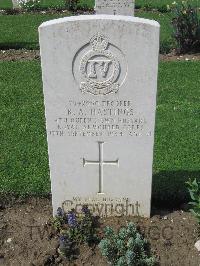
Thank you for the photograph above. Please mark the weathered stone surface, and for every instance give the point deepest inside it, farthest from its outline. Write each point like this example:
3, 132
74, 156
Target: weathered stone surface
100, 80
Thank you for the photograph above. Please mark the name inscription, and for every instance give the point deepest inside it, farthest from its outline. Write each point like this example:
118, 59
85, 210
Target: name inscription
115, 118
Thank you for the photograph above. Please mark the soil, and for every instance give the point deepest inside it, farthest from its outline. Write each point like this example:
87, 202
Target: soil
21, 55
185, 57
49, 11
28, 238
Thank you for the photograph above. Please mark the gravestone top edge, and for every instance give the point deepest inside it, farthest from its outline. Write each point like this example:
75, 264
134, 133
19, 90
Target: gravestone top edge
100, 17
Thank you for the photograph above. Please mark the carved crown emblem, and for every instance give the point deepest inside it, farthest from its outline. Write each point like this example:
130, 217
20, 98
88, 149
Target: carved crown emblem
99, 66
99, 42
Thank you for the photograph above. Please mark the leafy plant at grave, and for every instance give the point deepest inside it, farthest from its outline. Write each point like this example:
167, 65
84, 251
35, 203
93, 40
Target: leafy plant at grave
163, 9
126, 248
186, 24
71, 5
148, 7
194, 190
29, 4
74, 229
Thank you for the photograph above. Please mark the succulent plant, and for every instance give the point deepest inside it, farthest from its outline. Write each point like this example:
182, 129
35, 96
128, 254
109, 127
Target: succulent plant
126, 248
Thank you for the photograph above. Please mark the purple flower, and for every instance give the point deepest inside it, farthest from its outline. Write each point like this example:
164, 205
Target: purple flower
60, 212
64, 241
85, 209
71, 218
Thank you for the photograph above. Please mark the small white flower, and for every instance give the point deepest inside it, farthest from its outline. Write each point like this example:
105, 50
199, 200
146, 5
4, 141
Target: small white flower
28, 3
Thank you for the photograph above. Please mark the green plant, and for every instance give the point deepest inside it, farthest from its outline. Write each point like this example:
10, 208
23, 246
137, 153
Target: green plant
126, 248
186, 26
74, 229
71, 5
29, 4
194, 190
148, 7
163, 9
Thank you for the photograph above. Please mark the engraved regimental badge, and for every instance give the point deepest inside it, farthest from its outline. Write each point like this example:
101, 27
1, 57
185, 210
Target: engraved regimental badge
100, 67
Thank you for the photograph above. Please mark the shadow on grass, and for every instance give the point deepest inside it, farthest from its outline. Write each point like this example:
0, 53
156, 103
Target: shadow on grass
19, 45
169, 189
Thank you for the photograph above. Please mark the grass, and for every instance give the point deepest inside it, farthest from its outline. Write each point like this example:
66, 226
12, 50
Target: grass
21, 31
24, 160
177, 145
24, 164
5, 4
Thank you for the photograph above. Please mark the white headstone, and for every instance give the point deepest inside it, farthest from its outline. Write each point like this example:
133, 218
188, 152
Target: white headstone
100, 81
115, 7
16, 4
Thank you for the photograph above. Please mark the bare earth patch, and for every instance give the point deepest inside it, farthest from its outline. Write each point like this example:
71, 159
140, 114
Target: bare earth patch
186, 57
21, 55
27, 237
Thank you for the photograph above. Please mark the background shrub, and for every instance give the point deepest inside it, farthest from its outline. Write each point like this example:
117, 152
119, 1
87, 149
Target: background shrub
186, 25
29, 4
71, 5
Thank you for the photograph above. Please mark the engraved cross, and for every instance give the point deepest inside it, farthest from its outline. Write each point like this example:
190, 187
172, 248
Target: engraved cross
101, 164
